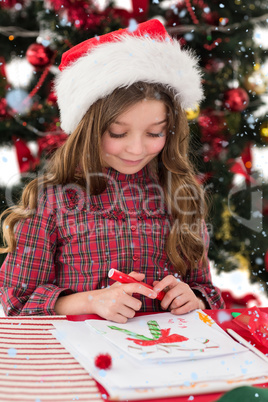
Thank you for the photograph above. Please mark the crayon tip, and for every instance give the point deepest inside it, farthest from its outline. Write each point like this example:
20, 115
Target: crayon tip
235, 314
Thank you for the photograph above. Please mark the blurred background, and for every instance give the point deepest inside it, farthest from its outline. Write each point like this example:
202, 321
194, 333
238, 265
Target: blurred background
229, 131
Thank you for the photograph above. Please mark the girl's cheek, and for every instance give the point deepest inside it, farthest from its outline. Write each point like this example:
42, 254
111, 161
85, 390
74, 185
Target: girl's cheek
110, 146
158, 146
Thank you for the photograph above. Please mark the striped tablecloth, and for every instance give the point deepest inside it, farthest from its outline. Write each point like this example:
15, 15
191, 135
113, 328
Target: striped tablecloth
35, 367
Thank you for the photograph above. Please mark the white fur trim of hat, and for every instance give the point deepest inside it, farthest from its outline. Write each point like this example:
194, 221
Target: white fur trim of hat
120, 63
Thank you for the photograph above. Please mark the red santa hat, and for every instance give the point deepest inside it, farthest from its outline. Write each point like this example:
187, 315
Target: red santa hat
96, 67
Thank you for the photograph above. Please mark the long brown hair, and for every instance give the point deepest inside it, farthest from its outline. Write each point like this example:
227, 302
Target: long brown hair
81, 154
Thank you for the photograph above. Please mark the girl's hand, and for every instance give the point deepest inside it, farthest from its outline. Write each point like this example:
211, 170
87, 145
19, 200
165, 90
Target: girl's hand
179, 298
116, 302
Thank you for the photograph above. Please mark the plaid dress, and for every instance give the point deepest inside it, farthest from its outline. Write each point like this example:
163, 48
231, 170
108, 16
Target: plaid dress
74, 238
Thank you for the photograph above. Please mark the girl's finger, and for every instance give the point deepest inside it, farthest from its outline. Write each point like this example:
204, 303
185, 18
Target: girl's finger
179, 301
126, 311
169, 281
118, 318
186, 308
131, 288
137, 275
131, 302
173, 295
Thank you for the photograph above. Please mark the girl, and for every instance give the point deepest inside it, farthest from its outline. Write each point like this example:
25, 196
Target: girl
120, 193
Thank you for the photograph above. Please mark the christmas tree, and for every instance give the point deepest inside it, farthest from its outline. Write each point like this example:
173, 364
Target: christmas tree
223, 130
226, 128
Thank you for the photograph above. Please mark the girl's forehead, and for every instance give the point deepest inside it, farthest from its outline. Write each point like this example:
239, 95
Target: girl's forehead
146, 107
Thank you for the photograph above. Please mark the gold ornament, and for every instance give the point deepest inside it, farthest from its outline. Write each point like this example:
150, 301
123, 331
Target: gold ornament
264, 131
256, 81
192, 114
243, 262
224, 233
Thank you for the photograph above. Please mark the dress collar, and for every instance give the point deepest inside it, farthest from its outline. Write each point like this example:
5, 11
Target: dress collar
142, 174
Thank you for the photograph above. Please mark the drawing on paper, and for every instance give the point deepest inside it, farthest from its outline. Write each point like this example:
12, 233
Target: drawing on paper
163, 340
205, 318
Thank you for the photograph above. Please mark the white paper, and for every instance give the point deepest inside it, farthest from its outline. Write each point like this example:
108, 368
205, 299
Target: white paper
191, 336
129, 378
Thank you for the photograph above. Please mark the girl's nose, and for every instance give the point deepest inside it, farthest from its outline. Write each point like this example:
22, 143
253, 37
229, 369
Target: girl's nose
135, 145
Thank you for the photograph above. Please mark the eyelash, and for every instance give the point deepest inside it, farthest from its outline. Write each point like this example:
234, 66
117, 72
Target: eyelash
112, 135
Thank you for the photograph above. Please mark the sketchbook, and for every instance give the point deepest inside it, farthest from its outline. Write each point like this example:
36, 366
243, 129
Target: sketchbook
162, 370
165, 338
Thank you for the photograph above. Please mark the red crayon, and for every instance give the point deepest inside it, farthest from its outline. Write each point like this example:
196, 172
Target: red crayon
118, 276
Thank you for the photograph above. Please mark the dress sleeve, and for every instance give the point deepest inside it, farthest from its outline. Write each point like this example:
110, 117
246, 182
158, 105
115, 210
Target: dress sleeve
28, 275
200, 281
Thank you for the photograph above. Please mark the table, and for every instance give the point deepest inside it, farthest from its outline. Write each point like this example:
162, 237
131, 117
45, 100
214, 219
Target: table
35, 367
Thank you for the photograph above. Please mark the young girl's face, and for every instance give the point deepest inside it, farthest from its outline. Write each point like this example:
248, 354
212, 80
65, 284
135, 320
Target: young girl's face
136, 137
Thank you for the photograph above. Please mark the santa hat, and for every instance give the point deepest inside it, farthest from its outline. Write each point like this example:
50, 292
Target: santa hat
96, 67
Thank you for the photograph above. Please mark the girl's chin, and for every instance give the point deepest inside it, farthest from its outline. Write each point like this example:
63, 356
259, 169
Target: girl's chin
127, 166
130, 170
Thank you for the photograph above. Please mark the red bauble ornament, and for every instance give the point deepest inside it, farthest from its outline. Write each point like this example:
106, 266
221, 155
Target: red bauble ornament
140, 9
211, 18
213, 134
49, 143
3, 108
38, 55
9, 3
52, 98
183, 42
236, 99
214, 65
211, 125
265, 212
103, 361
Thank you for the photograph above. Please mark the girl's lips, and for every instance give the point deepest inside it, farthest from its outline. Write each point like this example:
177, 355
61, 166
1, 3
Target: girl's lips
129, 162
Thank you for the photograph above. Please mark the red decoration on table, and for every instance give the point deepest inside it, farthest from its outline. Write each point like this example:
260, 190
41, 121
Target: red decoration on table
256, 322
236, 99
38, 55
232, 301
103, 361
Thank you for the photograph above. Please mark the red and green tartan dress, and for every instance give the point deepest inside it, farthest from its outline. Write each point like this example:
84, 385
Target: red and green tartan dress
73, 240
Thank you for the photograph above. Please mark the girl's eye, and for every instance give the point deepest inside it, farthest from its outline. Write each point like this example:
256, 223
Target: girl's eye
156, 135
113, 135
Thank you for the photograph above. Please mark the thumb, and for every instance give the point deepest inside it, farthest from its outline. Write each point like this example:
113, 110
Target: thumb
138, 276
155, 283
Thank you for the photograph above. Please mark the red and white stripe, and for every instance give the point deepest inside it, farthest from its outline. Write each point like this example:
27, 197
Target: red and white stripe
40, 369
